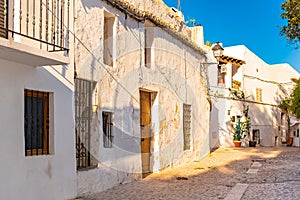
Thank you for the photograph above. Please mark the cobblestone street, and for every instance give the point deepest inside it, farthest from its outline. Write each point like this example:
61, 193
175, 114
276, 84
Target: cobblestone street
227, 173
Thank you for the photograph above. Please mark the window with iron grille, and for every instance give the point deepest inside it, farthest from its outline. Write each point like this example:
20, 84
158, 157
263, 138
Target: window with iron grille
187, 126
83, 110
107, 129
36, 122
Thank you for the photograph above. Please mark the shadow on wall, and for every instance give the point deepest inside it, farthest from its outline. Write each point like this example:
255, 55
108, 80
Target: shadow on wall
266, 120
214, 141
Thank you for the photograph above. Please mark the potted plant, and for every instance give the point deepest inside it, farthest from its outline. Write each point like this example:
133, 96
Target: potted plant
237, 133
246, 125
236, 84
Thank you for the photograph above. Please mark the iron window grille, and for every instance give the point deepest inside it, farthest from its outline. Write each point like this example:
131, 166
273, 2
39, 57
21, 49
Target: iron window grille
187, 126
107, 129
36, 122
83, 111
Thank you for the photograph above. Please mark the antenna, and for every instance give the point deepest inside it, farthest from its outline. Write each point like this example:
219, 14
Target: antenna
178, 5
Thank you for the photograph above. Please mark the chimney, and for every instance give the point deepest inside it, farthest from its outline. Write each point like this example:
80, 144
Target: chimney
197, 35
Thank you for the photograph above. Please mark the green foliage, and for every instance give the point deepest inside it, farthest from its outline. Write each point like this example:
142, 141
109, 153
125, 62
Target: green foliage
237, 94
295, 100
246, 125
285, 104
242, 128
291, 13
207, 43
237, 133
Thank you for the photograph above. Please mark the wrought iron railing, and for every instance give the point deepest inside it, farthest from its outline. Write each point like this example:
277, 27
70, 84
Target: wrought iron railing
44, 22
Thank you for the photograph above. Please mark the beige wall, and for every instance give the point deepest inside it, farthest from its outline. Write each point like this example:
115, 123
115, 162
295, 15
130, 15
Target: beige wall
174, 76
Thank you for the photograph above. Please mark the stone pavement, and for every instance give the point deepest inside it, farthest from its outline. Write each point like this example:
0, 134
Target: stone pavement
227, 173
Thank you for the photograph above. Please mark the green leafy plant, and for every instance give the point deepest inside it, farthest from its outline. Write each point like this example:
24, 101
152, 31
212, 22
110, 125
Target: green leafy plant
237, 133
237, 94
295, 101
207, 43
285, 106
243, 125
290, 13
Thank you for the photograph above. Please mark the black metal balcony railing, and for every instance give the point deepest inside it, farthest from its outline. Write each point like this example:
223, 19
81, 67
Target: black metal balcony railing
46, 22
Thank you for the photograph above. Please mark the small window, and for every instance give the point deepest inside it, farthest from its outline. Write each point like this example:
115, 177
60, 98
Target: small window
109, 39
187, 126
107, 129
259, 94
36, 122
221, 75
148, 45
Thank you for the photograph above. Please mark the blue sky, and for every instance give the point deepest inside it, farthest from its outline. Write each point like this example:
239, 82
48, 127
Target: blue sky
254, 23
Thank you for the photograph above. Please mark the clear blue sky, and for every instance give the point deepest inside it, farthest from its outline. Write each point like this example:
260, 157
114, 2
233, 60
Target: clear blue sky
253, 23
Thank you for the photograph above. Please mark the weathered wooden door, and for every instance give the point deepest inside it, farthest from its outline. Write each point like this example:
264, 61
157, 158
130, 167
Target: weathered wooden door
145, 123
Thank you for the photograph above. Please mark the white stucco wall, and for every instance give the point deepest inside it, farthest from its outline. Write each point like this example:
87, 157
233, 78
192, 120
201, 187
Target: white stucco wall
174, 76
36, 177
274, 80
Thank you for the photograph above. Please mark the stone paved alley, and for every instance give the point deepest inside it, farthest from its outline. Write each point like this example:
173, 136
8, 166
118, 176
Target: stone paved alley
227, 173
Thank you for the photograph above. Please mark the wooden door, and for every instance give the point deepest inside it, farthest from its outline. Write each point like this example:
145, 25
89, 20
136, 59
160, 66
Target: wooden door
145, 124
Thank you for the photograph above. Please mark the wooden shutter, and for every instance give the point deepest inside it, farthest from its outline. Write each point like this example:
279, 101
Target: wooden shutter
259, 94
2, 19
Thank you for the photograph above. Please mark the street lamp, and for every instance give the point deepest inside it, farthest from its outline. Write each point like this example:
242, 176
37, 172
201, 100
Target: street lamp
217, 50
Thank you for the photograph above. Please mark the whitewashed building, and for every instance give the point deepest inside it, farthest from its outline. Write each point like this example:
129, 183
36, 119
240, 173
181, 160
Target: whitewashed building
36, 82
141, 101
264, 86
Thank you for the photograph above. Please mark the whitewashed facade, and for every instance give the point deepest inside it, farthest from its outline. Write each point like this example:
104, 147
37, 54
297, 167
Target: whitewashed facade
150, 106
264, 87
37, 120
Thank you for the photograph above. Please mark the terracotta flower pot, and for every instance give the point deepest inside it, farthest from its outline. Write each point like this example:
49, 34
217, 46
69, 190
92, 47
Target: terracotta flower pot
237, 143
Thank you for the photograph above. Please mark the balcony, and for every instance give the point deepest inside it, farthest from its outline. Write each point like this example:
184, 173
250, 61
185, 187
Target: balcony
35, 32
